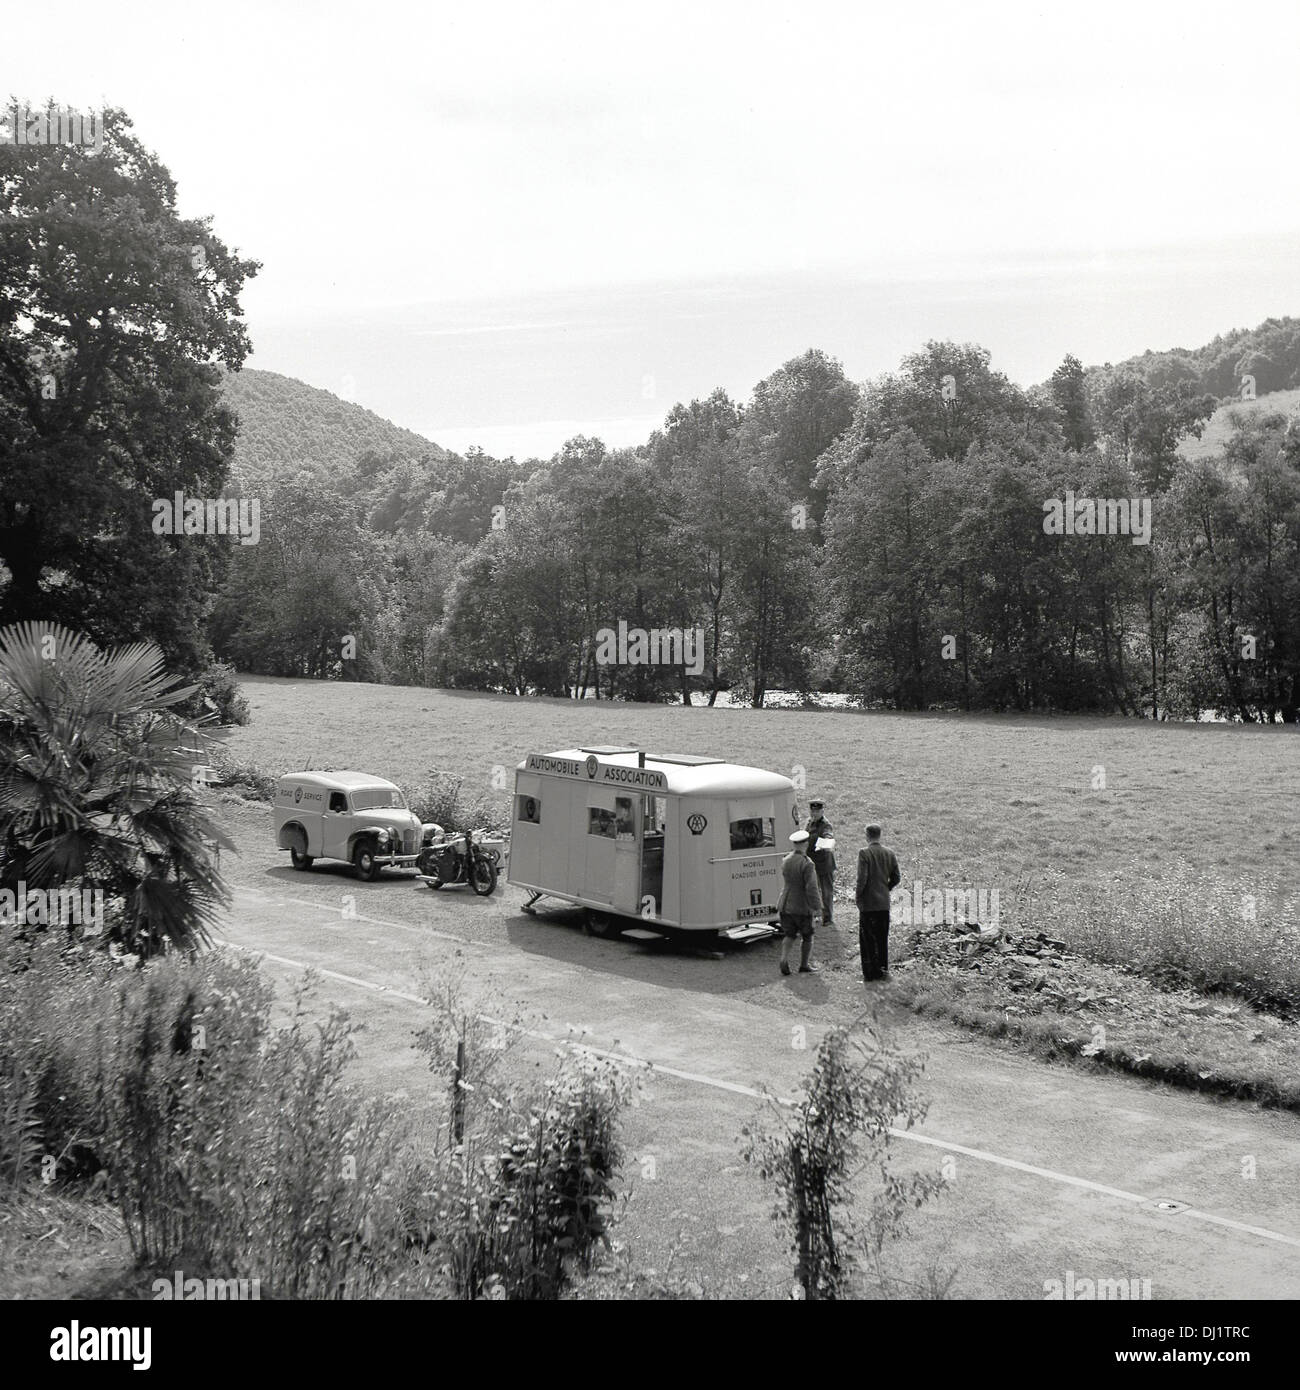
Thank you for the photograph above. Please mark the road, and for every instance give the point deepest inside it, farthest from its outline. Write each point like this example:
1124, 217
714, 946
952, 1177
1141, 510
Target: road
1050, 1168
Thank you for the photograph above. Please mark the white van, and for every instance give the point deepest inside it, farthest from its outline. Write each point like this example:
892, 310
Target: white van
354, 816
674, 841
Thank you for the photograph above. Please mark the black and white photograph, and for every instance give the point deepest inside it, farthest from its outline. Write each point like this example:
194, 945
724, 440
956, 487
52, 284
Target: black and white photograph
650, 653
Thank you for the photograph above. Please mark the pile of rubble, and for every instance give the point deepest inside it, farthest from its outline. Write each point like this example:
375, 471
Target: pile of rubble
1022, 963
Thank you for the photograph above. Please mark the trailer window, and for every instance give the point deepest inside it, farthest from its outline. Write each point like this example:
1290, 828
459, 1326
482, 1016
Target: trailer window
528, 809
753, 832
600, 822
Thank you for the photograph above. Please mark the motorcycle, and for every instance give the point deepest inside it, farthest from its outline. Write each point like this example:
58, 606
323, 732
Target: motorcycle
470, 856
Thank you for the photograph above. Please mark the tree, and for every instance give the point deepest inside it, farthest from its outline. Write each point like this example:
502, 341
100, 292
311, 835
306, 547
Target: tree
949, 397
796, 415
1069, 389
1142, 424
883, 551
94, 792
113, 313
700, 449
293, 599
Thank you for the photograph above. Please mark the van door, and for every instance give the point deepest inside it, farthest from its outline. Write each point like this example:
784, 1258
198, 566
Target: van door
336, 825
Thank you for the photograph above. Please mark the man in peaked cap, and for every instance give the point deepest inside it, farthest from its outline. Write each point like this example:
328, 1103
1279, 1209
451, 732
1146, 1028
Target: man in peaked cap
800, 904
819, 828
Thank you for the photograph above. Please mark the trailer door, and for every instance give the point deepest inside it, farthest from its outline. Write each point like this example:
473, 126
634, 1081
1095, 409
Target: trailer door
602, 846
613, 849
754, 879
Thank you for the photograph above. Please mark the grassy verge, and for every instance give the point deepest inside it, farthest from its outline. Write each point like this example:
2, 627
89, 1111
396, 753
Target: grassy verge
1060, 1004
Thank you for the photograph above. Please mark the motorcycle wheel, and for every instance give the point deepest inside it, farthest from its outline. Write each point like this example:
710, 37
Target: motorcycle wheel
435, 878
483, 877
300, 861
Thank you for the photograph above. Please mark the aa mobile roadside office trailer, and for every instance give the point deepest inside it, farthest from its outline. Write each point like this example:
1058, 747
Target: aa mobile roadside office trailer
680, 843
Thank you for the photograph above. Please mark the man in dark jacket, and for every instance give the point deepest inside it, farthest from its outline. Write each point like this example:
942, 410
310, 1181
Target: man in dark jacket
819, 828
800, 904
877, 874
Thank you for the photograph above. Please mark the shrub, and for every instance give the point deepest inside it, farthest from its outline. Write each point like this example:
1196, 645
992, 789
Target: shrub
856, 1094
217, 696
441, 798
221, 1140
236, 1148
20, 1126
521, 1211
524, 1189
246, 777
95, 786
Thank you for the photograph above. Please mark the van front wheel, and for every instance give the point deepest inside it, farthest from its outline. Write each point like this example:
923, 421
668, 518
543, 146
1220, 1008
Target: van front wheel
363, 861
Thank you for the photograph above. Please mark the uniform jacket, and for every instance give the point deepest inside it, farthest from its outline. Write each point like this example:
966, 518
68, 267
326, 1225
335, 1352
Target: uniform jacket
800, 897
821, 830
877, 874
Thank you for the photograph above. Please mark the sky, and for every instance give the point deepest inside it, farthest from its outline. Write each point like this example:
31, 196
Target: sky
509, 224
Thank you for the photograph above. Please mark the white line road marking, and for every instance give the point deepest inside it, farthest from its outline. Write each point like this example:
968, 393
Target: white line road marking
259, 896
333, 974
1050, 1174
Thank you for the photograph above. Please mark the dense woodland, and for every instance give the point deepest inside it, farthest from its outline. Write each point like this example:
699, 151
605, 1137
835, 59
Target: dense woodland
882, 538
877, 539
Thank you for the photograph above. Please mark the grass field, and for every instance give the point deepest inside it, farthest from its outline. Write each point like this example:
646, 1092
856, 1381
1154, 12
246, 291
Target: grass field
1168, 845
988, 800
1219, 427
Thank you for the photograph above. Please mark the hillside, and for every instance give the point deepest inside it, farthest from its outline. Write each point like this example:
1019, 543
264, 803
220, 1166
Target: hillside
1269, 353
286, 425
1221, 424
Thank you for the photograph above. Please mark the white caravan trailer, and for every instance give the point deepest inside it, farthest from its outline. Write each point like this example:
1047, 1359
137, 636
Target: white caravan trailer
678, 842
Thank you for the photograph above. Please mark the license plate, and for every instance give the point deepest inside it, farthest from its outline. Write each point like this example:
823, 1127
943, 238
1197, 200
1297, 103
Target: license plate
761, 910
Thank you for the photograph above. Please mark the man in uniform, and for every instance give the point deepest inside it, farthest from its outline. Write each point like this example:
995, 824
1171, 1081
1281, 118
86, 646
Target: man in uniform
800, 904
877, 875
819, 828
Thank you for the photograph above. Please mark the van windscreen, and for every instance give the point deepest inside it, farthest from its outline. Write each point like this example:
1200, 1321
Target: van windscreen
377, 798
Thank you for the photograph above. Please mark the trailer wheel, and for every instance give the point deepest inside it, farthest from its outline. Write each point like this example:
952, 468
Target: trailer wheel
363, 861
600, 924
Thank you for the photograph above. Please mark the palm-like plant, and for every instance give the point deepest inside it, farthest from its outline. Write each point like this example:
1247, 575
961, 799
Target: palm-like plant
95, 789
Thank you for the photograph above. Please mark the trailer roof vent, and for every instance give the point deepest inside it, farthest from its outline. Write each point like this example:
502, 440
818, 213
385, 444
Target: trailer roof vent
682, 759
608, 749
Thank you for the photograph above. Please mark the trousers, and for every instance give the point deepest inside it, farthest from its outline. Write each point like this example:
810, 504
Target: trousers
826, 887
873, 943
